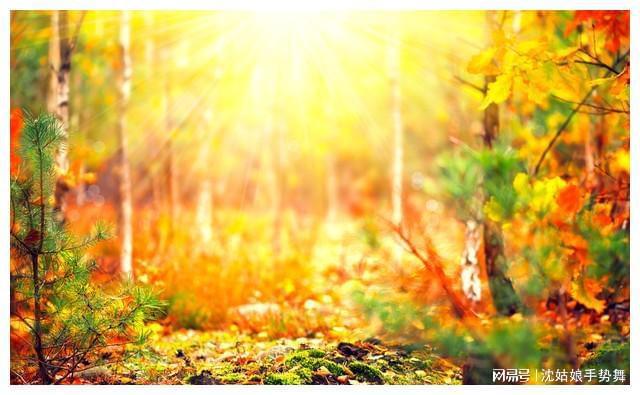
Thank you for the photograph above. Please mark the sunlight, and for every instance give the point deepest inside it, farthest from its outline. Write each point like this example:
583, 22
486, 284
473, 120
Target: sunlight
295, 195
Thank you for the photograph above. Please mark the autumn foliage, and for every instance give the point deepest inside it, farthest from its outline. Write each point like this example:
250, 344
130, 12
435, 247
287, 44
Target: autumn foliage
325, 198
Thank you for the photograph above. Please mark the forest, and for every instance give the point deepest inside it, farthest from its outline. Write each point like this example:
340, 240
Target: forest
319, 197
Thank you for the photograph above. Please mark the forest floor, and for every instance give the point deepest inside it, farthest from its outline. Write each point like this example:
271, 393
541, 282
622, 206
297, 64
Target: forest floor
214, 357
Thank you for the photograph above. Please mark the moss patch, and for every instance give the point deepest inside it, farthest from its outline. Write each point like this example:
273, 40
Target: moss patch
610, 355
305, 359
283, 379
232, 378
366, 372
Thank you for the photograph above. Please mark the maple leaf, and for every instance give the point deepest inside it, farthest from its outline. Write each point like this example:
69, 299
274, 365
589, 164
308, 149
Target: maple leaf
614, 24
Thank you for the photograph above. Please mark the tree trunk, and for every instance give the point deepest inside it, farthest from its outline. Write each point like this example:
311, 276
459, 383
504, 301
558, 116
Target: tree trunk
54, 63
170, 166
125, 207
332, 190
204, 210
60, 103
43, 371
505, 299
203, 213
470, 272
398, 137
590, 177
397, 168
277, 169
65, 46
62, 85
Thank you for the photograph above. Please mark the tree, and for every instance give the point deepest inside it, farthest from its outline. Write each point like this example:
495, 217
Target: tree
398, 136
69, 320
64, 43
125, 206
169, 127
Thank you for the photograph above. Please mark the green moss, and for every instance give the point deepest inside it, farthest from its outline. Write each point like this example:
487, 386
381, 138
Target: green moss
283, 379
610, 355
305, 354
419, 363
304, 373
222, 368
314, 353
232, 378
366, 372
310, 359
399, 379
254, 378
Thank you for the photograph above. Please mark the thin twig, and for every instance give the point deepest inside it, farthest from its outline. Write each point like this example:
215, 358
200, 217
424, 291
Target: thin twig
470, 84
570, 117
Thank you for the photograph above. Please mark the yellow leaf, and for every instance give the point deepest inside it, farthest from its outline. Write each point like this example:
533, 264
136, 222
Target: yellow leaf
621, 161
566, 53
493, 210
499, 91
585, 291
531, 47
600, 81
289, 287
620, 87
537, 86
418, 324
521, 183
482, 63
544, 194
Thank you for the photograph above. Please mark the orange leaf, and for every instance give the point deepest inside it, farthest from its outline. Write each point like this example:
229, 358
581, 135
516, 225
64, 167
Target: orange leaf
569, 200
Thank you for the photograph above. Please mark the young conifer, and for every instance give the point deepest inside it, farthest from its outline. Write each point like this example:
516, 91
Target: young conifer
70, 319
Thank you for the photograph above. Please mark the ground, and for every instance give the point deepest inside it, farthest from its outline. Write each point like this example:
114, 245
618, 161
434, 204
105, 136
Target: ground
201, 357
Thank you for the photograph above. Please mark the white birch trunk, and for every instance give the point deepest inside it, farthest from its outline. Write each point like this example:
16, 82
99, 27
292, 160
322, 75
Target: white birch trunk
332, 190
62, 87
470, 271
398, 135
125, 208
54, 63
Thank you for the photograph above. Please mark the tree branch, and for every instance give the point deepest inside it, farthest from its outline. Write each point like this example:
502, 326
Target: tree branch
570, 117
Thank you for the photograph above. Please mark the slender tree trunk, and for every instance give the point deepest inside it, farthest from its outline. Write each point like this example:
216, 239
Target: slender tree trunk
205, 192
332, 190
277, 188
398, 135
80, 121
43, 371
470, 272
170, 165
590, 176
66, 45
61, 104
505, 299
568, 341
203, 212
491, 118
62, 93
397, 167
125, 208
54, 63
